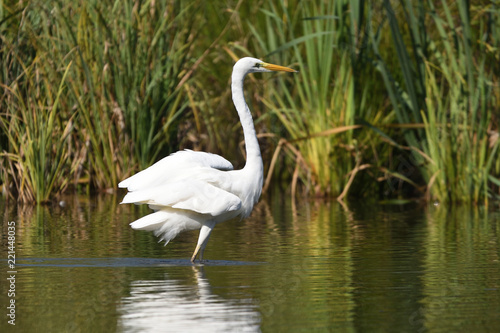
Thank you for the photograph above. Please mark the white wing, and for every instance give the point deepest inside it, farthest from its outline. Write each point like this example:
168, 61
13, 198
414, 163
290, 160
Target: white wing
172, 167
188, 194
187, 180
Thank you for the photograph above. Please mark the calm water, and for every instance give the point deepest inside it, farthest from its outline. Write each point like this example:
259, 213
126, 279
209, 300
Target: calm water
310, 267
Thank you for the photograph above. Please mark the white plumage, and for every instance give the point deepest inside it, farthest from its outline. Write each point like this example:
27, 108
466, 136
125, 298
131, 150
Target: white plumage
196, 190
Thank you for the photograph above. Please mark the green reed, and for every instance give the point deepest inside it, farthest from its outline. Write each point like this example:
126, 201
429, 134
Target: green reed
396, 98
319, 110
120, 96
438, 70
39, 158
446, 82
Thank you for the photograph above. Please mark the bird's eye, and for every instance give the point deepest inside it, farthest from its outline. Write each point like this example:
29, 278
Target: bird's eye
257, 65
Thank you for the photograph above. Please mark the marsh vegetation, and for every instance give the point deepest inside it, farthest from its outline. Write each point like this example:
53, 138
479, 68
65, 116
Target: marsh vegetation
395, 99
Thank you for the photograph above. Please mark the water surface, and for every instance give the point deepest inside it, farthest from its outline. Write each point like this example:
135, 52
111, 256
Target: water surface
290, 267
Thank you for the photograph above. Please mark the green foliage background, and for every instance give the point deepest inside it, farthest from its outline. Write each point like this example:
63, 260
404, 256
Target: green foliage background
394, 99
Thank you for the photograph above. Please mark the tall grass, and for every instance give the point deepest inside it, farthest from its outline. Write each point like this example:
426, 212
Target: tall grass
321, 111
119, 101
39, 161
393, 98
310, 104
132, 60
437, 77
447, 83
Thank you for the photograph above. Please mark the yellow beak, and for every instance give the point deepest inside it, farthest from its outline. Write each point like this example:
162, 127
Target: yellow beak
278, 68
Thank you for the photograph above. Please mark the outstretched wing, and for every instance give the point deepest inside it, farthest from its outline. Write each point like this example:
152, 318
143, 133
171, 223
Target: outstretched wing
188, 180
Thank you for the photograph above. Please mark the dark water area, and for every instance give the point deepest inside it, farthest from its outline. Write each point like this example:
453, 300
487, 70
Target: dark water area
290, 267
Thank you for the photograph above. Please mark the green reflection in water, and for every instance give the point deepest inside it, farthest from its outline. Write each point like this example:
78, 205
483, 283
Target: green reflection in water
313, 266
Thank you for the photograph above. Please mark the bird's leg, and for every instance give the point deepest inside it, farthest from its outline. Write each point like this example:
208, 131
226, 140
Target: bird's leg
201, 253
202, 241
195, 253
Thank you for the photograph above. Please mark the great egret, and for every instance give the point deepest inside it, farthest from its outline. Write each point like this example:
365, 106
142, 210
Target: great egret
192, 190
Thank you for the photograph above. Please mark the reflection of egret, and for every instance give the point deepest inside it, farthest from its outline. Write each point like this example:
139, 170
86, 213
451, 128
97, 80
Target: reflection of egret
171, 306
196, 190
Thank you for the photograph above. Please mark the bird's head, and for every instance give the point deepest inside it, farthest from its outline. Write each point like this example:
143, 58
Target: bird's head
253, 65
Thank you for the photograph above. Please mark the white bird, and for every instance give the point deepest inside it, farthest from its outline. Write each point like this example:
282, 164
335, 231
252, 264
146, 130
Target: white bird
192, 190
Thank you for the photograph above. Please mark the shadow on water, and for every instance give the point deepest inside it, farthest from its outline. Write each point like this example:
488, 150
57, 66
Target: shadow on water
311, 266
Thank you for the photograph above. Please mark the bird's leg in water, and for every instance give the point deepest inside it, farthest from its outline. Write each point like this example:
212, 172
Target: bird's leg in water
195, 253
202, 241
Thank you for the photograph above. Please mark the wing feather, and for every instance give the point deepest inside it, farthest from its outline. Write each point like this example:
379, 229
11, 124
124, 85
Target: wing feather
174, 167
189, 194
187, 180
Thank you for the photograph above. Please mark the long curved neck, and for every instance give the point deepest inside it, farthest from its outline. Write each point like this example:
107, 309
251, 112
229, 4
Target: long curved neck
254, 158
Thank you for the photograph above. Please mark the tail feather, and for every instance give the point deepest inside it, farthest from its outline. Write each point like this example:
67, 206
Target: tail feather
150, 222
167, 223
